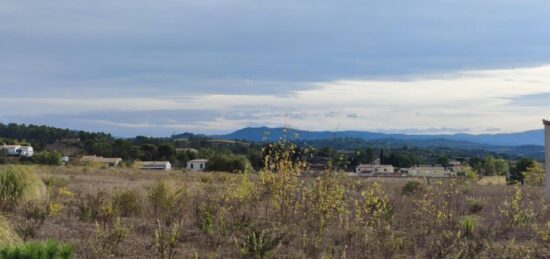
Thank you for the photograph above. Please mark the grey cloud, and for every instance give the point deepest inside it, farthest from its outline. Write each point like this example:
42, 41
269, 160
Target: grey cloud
181, 47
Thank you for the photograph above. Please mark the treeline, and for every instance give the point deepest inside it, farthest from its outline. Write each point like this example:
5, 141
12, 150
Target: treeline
39, 136
50, 144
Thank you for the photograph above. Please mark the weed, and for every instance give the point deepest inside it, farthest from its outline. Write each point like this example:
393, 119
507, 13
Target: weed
474, 205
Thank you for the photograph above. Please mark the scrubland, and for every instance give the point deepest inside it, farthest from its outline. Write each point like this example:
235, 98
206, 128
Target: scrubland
277, 213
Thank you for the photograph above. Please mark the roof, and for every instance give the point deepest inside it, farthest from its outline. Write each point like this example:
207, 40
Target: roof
10, 146
198, 161
546, 122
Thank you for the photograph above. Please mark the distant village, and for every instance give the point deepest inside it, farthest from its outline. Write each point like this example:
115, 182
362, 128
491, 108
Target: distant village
375, 169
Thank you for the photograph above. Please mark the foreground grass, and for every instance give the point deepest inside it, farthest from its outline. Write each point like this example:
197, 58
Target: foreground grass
133, 214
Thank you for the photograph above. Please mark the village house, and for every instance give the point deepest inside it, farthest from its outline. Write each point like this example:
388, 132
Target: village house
18, 150
105, 161
428, 170
374, 169
156, 165
196, 164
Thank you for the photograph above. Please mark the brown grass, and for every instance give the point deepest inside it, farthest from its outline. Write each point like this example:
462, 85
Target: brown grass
222, 215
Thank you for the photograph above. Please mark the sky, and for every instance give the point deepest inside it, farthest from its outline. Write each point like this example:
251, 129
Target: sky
157, 67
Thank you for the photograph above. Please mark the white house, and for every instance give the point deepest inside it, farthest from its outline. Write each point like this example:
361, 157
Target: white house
197, 164
26, 151
156, 165
18, 150
374, 168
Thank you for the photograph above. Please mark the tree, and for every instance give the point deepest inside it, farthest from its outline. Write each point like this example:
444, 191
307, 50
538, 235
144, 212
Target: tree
516, 174
166, 152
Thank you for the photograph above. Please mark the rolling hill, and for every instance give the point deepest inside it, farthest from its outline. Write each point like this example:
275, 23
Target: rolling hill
532, 137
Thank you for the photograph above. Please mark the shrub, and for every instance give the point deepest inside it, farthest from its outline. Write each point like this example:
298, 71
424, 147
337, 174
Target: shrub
258, 243
107, 239
474, 205
126, 203
18, 183
90, 205
165, 241
515, 212
7, 235
32, 250
228, 163
468, 225
35, 214
47, 158
411, 187
55, 182
166, 202
534, 176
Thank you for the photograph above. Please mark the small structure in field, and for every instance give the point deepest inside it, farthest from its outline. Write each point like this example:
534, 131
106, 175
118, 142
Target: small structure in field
18, 150
428, 170
197, 164
156, 165
104, 161
374, 169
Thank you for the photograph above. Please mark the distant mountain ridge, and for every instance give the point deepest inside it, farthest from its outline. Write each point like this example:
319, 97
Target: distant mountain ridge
531, 137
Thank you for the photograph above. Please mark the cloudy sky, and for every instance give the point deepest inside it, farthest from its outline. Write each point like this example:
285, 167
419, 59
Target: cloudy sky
154, 67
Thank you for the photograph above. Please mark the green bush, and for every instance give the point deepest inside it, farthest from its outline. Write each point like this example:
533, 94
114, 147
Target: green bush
411, 187
126, 203
37, 250
228, 163
18, 183
47, 158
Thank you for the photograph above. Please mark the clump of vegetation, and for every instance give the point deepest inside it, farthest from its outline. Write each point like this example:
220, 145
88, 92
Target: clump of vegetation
412, 187
258, 243
126, 203
534, 176
32, 250
474, 205
107, 238
90, 205
17, 184
7, 235
166, 201
166, 239
515, 212
35, 213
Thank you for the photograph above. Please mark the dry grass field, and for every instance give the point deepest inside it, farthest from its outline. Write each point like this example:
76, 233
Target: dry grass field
127, 213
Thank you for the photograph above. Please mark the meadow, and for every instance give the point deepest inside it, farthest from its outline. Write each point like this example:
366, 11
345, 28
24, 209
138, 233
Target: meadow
127, 213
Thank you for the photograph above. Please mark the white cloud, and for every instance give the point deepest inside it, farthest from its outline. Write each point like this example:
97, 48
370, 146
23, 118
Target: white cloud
474, 100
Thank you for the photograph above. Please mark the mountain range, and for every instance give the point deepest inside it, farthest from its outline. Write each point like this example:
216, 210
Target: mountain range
531, 137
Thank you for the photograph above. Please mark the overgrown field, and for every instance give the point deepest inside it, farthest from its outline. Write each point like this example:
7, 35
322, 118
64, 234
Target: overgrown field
134, 214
